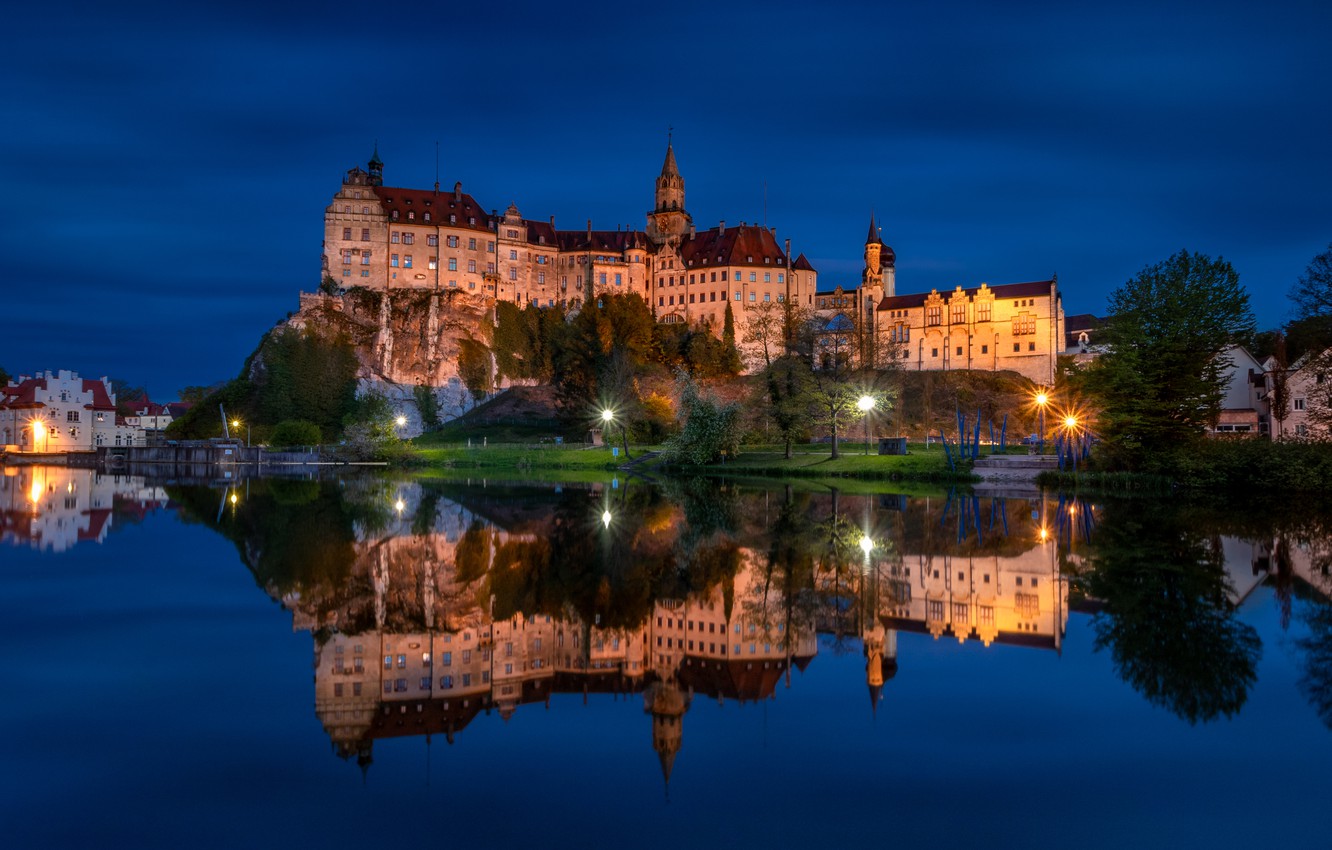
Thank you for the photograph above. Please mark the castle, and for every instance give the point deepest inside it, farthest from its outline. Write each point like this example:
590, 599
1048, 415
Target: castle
384, 238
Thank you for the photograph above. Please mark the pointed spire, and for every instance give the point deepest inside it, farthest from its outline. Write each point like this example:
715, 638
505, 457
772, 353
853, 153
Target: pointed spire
669, 168
374, 158
873, 232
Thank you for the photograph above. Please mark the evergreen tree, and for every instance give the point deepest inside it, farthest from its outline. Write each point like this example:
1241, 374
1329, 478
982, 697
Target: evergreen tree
730, 364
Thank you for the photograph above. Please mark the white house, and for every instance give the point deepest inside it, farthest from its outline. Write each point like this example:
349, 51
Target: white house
61, 412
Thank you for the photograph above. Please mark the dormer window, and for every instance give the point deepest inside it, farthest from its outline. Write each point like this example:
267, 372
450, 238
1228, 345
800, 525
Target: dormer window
453, 219
411, 215
471, 219
427, 216
749, 259
394, 216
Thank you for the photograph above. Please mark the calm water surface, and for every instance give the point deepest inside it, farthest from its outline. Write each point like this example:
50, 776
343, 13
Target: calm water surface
292, 662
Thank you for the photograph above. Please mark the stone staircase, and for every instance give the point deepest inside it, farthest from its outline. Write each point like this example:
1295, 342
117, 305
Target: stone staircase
1014, 467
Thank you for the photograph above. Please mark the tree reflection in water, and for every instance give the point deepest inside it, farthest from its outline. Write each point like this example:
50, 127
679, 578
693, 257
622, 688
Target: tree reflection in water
1168, 619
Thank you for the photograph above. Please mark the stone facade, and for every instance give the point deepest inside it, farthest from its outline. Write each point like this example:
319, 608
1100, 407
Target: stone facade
61, 412
384, 238
1016, 326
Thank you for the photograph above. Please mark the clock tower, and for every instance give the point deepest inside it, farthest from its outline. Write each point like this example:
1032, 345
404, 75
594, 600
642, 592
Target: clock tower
668, 222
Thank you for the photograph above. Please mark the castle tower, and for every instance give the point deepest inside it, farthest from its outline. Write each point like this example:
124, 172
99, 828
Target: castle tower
667, 706
669, 221
880, 274
376, 168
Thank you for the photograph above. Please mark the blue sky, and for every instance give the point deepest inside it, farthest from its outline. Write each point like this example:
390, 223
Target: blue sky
169, 164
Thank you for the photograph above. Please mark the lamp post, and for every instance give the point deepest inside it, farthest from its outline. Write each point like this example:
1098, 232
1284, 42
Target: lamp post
236, 423
1042, 399
39, 432
866, 404
1070, 431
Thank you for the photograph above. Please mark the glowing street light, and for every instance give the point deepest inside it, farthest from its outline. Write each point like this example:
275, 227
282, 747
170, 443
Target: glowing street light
233, 499
39, 432
606, 518
236, 423
607, 416
866, 544
398, 506
401, 420
1042, 399
866, 404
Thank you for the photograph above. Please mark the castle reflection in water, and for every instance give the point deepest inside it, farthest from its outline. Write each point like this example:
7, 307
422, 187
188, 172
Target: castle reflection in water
412, 642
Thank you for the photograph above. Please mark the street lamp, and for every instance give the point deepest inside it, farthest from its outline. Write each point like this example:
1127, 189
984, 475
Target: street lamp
866, 404
236, 423
1042, 399
606, 518
866, 544
39, 433
401, 420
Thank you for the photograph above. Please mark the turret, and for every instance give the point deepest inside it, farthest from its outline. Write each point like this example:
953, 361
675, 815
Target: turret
668, 221
376, 168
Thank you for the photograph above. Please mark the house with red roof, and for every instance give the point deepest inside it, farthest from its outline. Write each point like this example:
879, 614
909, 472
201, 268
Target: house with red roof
62, 412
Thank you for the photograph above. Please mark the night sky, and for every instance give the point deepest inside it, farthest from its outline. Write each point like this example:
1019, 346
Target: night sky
169, 164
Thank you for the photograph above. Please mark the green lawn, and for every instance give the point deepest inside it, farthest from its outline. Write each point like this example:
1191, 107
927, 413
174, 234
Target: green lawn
809, 460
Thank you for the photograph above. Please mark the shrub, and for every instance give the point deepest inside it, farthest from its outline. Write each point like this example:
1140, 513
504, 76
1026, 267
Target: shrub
296, 432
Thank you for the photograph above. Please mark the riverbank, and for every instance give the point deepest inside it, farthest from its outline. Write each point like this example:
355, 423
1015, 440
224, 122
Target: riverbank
808, 461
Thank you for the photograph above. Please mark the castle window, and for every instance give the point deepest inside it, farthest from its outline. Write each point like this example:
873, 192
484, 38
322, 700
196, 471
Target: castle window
752, 297
434, 263
724, 276
365, 234
767, 297
781, 277
767, 277
617, 279
490, 268
394, 216
453, 219
959, 313
737, 295
365, 260
714, 297
471, 265
1017, 346
490, 247
409, 238
513, 274
346, 233
365, 211
453, 264
395, 237
451, 241
541, 278
346, 256
934, 352
427, 216
407, 261
1031, 346
959, 351
983, 311
661, 302
985, 349
471, 244
752, 277
933, 315
512, 234
471, 284
393, 260
513, 255
471, 219
691, 298
601, 278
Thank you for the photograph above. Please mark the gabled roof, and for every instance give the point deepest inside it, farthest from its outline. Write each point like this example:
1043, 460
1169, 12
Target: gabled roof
741, 245
1006, 290
610, 241
101, 400
440, 205
23, 395
802, 264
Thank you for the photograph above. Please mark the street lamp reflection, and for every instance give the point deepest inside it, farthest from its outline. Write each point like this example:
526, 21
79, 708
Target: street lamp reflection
606, 518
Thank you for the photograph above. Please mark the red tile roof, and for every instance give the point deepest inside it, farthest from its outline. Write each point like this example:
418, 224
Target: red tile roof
440, 205
24, 395
612, 241
742, 245
1005, 290
101, 399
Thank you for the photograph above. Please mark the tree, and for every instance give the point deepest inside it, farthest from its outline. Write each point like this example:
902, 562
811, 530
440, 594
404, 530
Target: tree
710, 430
295, 432
427, 404
1312, 292
4, 377
1278, 400
763, 330
474, 368
1160, 382
730, 364
787, 384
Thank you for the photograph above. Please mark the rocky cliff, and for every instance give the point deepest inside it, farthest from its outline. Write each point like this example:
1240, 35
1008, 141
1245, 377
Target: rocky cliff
403, 338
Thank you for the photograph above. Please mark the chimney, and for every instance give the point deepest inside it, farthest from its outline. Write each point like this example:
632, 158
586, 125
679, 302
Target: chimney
589, 230
721, 227
691, 231
457, 191
552, 222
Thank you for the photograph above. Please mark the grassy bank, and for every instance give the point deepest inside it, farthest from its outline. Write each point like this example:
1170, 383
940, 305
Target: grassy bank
808, 461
